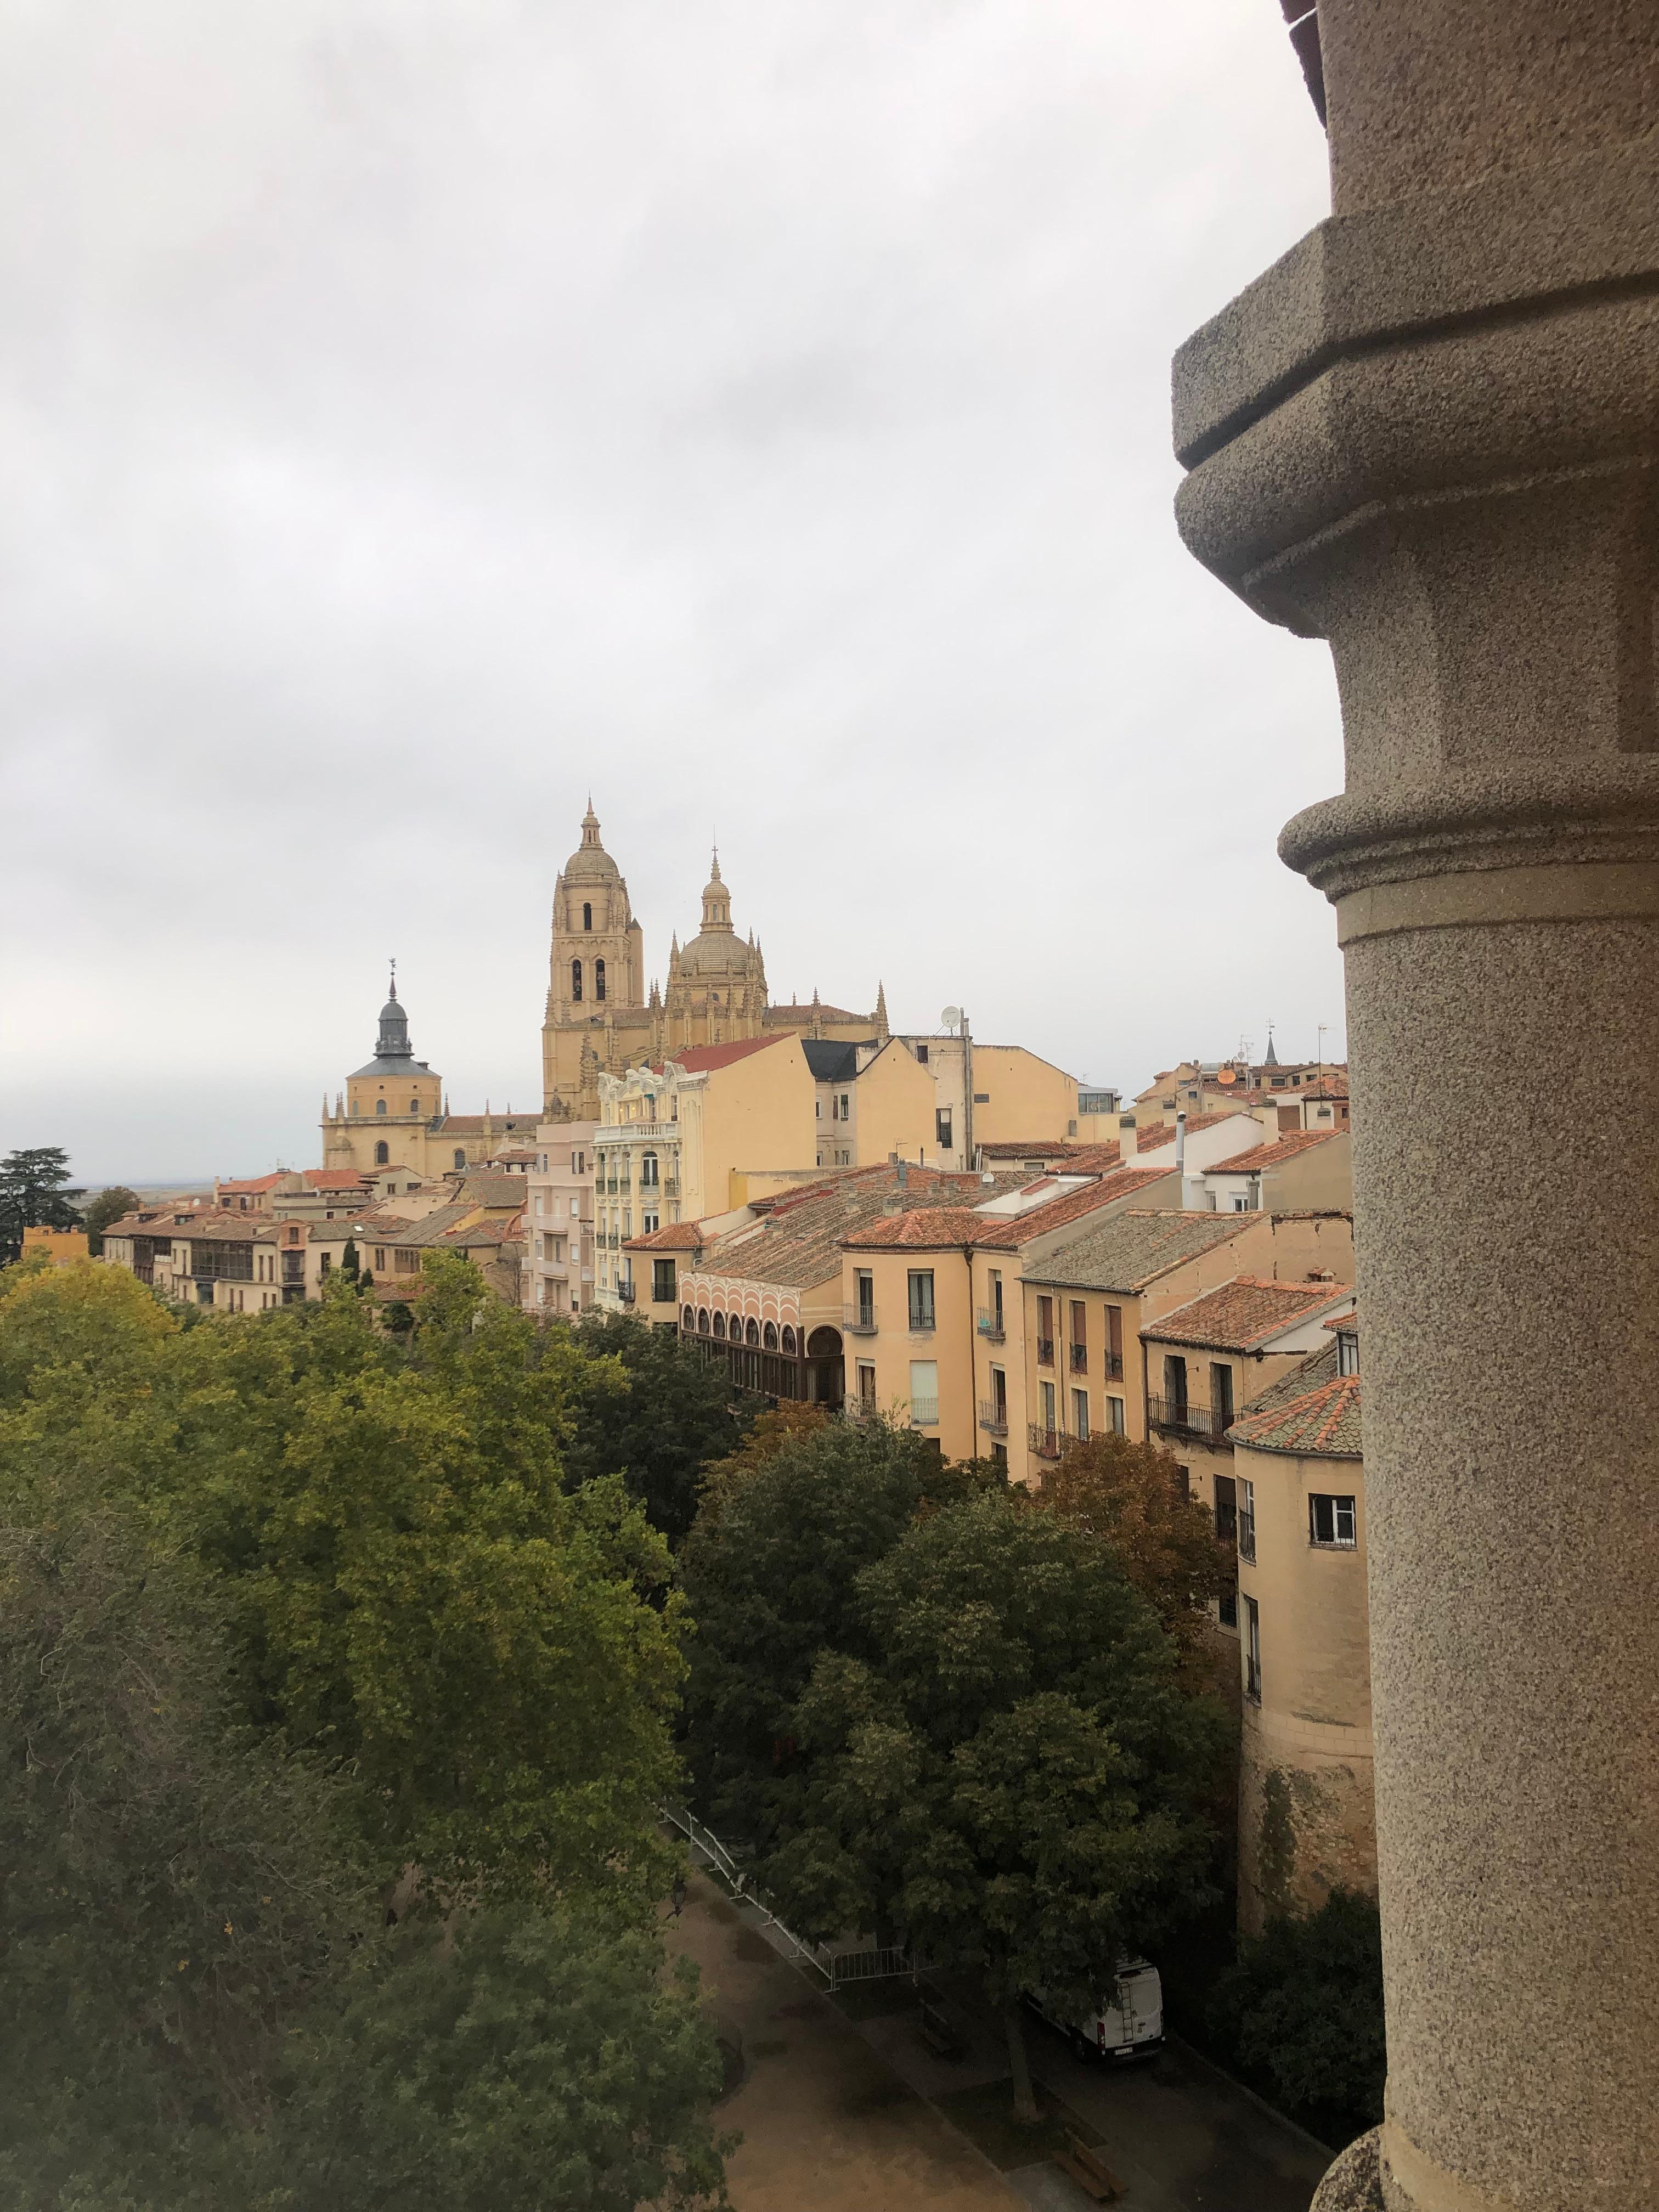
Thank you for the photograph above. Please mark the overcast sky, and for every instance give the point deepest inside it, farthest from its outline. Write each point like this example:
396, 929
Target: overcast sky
756, 410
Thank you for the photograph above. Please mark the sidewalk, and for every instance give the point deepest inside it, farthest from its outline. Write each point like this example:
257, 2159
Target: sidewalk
827, 2125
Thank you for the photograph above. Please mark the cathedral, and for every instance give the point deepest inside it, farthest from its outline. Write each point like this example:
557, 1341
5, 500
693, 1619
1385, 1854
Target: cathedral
601, 1017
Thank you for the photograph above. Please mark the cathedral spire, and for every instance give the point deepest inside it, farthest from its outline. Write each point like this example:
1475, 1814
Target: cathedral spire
882, 1031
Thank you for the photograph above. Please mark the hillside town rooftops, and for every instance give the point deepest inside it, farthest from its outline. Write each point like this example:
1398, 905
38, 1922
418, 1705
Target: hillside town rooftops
1135, 1248
1272, 1156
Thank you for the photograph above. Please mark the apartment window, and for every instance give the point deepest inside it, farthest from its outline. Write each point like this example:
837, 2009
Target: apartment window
996, 1299
582, 1163
922, 1297
1246, 1518
1079, 1339
1347, 1352
999, 1396
1226, 1510
864, 1287
1000, 1456
866, 1386
1182, 1481
1252, 1649
1046, 1399
588, 915
648, 1221
1221, 1396
662, 1282
942, 1128
818, 1109
382, 1153
379, 1105
576, 981
1045, 1346
921, 1054
379, 1257
1115, 1344
647, 1171
1226, 1608
846, 1105
1331, 1521
1175, 1386
404, 1261
599, 979
1115, 1415
1080, 1415
924, 1393
540, 1207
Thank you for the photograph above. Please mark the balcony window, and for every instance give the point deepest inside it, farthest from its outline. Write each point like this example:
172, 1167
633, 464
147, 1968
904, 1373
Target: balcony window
1115, 1344
924, 1393
1252, 1649
1080, 1415
863, 1299
1221, 1396
1246, 1518
922, 1297
1079, 1342
662, 1282
866, 1387
1332, 1522
1045, 1332
1114, 1416
1226, 1510
942, 1128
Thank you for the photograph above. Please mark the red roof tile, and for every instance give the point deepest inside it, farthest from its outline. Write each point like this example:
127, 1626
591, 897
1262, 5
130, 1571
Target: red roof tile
677, 1236
947, 1225
332, 1179
1323, 1423
1272, 1156
1237, 1316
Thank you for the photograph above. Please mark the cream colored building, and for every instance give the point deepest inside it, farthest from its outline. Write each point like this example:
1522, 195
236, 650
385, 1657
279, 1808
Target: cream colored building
1307, 1813
670, 1141
559, 1220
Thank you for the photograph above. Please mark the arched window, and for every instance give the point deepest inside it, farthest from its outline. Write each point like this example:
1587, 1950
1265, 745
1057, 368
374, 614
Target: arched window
460, 1158
720, 1324
382, 1154
599, 979
688, 1320
379, 1105
752, 1335
414, 1105
647, 1171
588, 915
769, 1336
703, 1321
789, 1342
576, 981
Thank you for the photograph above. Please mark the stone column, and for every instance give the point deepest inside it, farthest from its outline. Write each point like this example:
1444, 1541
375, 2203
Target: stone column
1430, 435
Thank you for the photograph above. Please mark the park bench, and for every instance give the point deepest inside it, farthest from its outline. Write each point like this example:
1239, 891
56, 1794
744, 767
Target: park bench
1088, 2169
941, 2037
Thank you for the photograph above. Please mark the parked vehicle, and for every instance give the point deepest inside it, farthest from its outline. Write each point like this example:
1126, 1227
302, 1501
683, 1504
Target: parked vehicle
1126, 2022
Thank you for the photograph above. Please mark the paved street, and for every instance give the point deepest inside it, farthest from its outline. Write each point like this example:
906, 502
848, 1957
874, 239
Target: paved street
841, 2105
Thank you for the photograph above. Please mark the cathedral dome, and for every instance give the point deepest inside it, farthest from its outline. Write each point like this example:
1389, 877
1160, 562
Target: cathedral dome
716, 949
590, 862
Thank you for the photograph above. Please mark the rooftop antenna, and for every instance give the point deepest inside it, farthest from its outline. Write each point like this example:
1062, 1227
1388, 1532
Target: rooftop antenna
951, 1020
393, 992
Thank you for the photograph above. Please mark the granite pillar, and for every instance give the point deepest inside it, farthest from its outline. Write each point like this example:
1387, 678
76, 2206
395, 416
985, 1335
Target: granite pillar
1430, 435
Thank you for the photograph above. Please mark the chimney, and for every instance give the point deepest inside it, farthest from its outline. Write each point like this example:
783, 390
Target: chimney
903, 1176
1180, 1142
1126, 1139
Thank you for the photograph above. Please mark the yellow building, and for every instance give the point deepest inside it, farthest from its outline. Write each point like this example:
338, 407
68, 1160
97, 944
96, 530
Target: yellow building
674, 1143
601, 1017
1307, 1818
393, 1113
60, 1246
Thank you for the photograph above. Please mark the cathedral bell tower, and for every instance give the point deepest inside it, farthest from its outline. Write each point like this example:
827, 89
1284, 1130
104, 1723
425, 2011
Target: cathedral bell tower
597, 972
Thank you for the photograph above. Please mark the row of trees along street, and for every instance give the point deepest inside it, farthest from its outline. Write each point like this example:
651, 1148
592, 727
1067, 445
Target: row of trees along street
346, 1669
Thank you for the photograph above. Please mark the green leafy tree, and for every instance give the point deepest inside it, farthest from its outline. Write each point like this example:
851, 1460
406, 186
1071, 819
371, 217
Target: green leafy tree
410, 1589
1129, 1495
653, 1412
111, 1205
1301, 2014
1002, 1761
35, 1193
769, 1573
174, 1887
508, 2062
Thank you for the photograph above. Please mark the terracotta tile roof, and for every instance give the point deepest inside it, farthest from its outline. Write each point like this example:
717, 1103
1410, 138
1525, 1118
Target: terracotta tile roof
677, 1236
332, 1179
797, 1243
1133, 1248
1272, 1156
999, 1232
1153, 1134
1314, 1413
696, 1059
1347, 1320
495, 1190
1244, 1313
258, 1182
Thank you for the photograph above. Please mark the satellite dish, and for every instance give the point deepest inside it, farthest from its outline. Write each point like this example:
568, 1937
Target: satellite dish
951, 1018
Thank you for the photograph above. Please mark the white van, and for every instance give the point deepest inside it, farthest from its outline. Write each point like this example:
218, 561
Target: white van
1127, 2023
